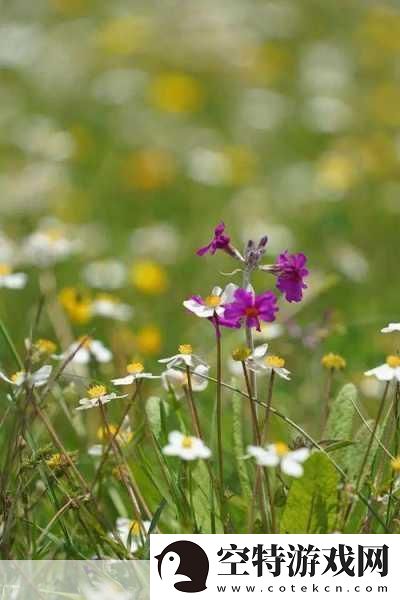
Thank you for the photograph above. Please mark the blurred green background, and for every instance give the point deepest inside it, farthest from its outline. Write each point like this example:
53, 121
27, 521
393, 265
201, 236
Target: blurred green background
144, 124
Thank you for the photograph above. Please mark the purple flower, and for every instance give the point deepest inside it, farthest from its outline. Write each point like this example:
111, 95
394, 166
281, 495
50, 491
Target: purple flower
220, 241
250, 309
291, 271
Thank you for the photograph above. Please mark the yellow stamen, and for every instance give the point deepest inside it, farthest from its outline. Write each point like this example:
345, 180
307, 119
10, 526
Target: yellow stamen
275, 362
135, 368
281, 448
187, 442
135, 528
333, 361
14, 378
96, 391
185, 349
393, 361
396, 463
103, 434
85, 342
212, 301
55, 460
107, 298
4, 269
241, 354
46, 346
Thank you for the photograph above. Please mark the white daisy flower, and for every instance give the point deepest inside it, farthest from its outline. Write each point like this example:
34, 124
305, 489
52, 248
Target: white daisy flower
279, 454
186, 447
91, 349
184, 358
391, 328
131, 533
37, 379
108, 274
135, 371
8, 279
107, 306
387, 372
50, 244
96, 395
214, 304
260, 362
177, 380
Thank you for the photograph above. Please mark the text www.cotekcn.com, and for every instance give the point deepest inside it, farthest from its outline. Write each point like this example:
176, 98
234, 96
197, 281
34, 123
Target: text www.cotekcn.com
315, 588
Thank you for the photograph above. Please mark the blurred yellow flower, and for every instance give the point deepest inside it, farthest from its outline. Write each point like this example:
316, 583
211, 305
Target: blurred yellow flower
333, 361
149, 169
337, 172
77, 305
123, 36
381, 29
176, 93
384, 104
149, 340
266, 64
149, 277
242, 164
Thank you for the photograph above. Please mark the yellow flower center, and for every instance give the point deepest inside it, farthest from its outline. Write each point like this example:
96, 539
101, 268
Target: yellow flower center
4, 269
149, 277
212, 301
46, 346
185, 349
103, 434
187, 442
135, 368
396, 463
107, 298
275, 362
85, 342
281, 448
14, 378
241, 354
55, 460
333, 361
135, 528
54, 235
78, 306
96, 391
393, 361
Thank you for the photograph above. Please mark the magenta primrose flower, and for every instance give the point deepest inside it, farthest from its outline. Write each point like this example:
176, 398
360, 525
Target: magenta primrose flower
291, 271
220, 241
249, 309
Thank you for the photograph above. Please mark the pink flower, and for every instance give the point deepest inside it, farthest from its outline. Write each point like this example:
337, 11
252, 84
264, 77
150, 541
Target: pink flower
220, 241
291, 271
250, 309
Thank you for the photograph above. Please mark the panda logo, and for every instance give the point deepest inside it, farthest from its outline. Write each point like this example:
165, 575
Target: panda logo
184, 565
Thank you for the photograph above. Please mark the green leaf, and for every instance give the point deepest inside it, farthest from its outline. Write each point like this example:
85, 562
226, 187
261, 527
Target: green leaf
312, 501
153, 412
340, 421
238, 445
204, 500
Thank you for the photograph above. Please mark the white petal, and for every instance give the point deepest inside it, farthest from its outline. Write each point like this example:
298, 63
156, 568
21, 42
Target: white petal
128, 380
300, 455
264, 457
175, 437
391, 328
228, 293
41, 376
291, 467
82, 357
4, 377
216, 291
15, 281
168, 360
284, 373
383, 373
260, 351
100, 352
198, 309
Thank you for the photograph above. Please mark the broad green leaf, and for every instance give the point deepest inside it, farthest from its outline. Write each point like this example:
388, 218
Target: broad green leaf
340, 422
312, 501
238, 445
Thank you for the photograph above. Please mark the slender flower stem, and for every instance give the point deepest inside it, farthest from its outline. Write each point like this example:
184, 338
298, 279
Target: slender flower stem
371, 440
219, 415
328, 393
256, 428
264, 436
395, 448
192, 406
249, 337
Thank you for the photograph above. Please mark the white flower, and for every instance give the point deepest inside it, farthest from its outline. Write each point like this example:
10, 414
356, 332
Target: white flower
48, 245
37, 379
388, 371
8, 279
96, 450
91, 349
279, 454
106, 274
131, 533
110, 307
185, 358
160, 241
260, 362
96, 395
186, 447
177, 380
213, 304
135, 371
391, 328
